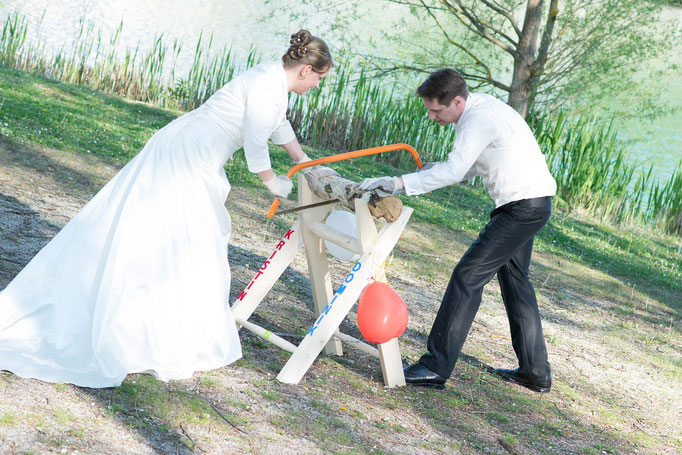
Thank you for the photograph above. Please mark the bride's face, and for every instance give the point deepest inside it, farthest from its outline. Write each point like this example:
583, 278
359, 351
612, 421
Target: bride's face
308, 78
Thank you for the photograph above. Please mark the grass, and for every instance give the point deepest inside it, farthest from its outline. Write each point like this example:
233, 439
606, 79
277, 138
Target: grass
8, 419
74, 118
621, 286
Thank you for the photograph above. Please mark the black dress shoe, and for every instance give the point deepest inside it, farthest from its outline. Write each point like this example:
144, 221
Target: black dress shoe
541, 385
419, 375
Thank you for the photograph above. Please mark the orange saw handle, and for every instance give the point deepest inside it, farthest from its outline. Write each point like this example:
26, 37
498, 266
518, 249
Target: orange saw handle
345, 156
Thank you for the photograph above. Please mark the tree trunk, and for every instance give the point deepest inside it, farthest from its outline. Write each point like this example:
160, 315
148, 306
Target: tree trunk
543, 52
524, 59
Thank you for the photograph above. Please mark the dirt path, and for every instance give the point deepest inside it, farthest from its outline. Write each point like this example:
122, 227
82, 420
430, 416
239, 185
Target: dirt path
609, 390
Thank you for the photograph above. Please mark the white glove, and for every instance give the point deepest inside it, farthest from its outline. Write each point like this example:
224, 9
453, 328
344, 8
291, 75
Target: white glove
303, 160
383, 186
280, 186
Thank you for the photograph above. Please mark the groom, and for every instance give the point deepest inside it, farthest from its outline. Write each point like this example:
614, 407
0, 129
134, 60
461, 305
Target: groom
492, 141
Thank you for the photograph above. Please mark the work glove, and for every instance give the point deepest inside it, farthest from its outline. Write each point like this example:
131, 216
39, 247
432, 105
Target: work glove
317, 172
280, 186
303, 160
383, 186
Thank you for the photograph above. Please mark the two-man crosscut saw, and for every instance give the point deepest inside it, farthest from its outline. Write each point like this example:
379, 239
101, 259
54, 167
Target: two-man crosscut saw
339, 157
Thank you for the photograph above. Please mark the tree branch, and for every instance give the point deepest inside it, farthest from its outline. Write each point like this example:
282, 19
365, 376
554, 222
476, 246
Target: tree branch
504, 13
465, 74
403, 2
456, 44
481, 27
543, 52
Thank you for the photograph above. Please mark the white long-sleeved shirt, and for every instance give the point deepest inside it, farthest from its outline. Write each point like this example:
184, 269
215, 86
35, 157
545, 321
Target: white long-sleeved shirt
251, 109
495, 142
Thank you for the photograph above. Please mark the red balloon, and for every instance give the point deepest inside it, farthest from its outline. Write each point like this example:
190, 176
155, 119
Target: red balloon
382, 313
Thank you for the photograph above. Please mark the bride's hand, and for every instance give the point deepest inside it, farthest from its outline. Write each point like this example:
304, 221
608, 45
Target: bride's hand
280, 186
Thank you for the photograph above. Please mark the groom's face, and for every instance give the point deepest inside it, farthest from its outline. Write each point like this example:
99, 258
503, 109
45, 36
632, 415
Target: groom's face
444, 115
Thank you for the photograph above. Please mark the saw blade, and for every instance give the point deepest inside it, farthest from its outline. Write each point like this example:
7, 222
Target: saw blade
309, 206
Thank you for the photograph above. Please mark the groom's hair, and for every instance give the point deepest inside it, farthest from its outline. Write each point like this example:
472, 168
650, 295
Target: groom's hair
443, 85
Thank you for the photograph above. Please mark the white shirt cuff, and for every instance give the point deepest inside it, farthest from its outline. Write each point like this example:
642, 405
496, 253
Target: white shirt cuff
260, 164
413, 184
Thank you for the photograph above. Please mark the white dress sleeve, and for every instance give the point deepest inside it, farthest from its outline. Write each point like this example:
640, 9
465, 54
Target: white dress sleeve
283, 134
260, 120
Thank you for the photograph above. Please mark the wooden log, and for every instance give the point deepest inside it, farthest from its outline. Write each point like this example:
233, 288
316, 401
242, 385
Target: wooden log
327, 184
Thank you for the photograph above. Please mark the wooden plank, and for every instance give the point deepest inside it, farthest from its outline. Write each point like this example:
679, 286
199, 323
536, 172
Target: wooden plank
391, 363
336, 237
267, 335
272, 268
366, 230
357, 344
316, 255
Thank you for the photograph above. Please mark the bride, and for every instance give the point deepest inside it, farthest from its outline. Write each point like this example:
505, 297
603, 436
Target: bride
138, 280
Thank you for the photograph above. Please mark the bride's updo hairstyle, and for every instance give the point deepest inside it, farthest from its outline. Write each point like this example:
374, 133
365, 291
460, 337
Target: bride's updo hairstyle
306, 49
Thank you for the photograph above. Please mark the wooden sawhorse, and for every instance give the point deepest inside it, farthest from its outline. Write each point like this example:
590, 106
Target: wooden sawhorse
330, 307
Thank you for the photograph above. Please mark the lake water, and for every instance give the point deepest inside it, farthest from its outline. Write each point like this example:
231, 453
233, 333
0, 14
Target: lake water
267, 24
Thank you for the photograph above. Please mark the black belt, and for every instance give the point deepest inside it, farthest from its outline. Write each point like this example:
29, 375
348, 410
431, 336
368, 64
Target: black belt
534, 202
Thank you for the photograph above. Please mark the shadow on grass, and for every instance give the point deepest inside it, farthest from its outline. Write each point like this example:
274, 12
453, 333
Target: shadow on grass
23, 233
619, 254
632, 271
479, 411
70, 180
142, 404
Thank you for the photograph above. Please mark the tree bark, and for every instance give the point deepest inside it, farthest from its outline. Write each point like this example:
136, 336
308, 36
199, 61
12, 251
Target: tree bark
524, 59
543, 52
334, 187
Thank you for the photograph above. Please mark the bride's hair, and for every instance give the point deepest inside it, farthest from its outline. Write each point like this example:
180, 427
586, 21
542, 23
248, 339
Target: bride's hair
307, 49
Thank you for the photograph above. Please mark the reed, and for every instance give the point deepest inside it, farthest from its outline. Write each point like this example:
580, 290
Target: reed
13, 42
148, 76
591, 171
350, 111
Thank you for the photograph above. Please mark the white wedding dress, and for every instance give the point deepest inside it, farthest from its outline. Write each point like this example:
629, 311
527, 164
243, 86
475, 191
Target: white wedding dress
138, 280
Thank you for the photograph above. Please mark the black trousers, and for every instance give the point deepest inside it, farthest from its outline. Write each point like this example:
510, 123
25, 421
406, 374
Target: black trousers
503, 247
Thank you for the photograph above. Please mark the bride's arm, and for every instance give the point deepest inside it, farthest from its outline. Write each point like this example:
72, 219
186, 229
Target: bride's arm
293, 148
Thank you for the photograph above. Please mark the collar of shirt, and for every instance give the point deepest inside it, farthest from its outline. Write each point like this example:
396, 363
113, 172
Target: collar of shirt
472, 99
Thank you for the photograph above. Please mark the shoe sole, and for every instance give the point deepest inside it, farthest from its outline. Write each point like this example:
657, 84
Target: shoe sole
428, 385
534, 388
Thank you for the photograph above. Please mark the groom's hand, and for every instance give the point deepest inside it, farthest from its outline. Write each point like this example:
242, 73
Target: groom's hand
384, 186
